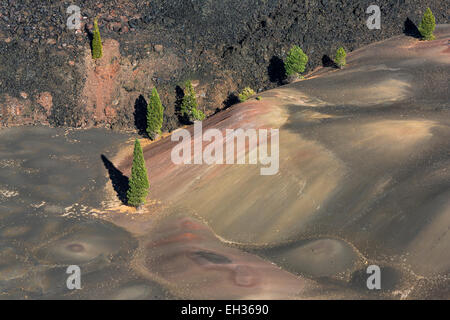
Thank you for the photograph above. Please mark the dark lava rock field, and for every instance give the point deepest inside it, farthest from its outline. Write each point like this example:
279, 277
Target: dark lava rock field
222, 45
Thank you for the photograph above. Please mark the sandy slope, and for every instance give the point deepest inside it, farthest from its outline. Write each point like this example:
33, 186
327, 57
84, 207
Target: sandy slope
364, 177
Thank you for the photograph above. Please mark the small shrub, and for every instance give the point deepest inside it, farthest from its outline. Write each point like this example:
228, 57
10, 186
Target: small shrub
198, 115
155, 112
427, 25
296, 61
97, 48
340, 57
246, 93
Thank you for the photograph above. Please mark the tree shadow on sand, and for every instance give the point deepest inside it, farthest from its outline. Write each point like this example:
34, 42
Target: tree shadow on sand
276, 70
118, 180
140, 115
179, 94
327, 62
231, 100
89, 35
410, 29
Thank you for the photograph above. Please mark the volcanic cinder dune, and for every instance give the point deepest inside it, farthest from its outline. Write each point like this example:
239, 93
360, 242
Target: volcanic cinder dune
363, 179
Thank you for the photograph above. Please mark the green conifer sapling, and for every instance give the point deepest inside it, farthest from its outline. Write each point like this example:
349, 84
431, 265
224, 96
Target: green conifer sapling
296, 61
138, 183
340, 57
427, 25
189, 104
155, 112
97, 49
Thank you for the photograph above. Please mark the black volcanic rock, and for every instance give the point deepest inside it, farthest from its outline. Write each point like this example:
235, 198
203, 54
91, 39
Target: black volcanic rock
227, 39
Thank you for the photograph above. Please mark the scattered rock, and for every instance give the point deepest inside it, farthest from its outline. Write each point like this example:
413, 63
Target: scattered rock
45, 99
15, 111
159, 48
123, 30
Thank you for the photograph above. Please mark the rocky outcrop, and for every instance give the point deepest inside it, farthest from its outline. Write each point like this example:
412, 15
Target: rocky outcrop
222, 45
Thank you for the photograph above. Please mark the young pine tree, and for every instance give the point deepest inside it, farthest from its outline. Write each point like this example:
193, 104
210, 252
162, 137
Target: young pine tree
97, 48
340, 57
155, 112
427, 25
189, 104
138, 184
189, 100
296, 61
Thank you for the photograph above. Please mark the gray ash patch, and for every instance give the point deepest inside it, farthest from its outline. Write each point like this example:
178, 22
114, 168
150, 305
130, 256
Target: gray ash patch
45, 224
